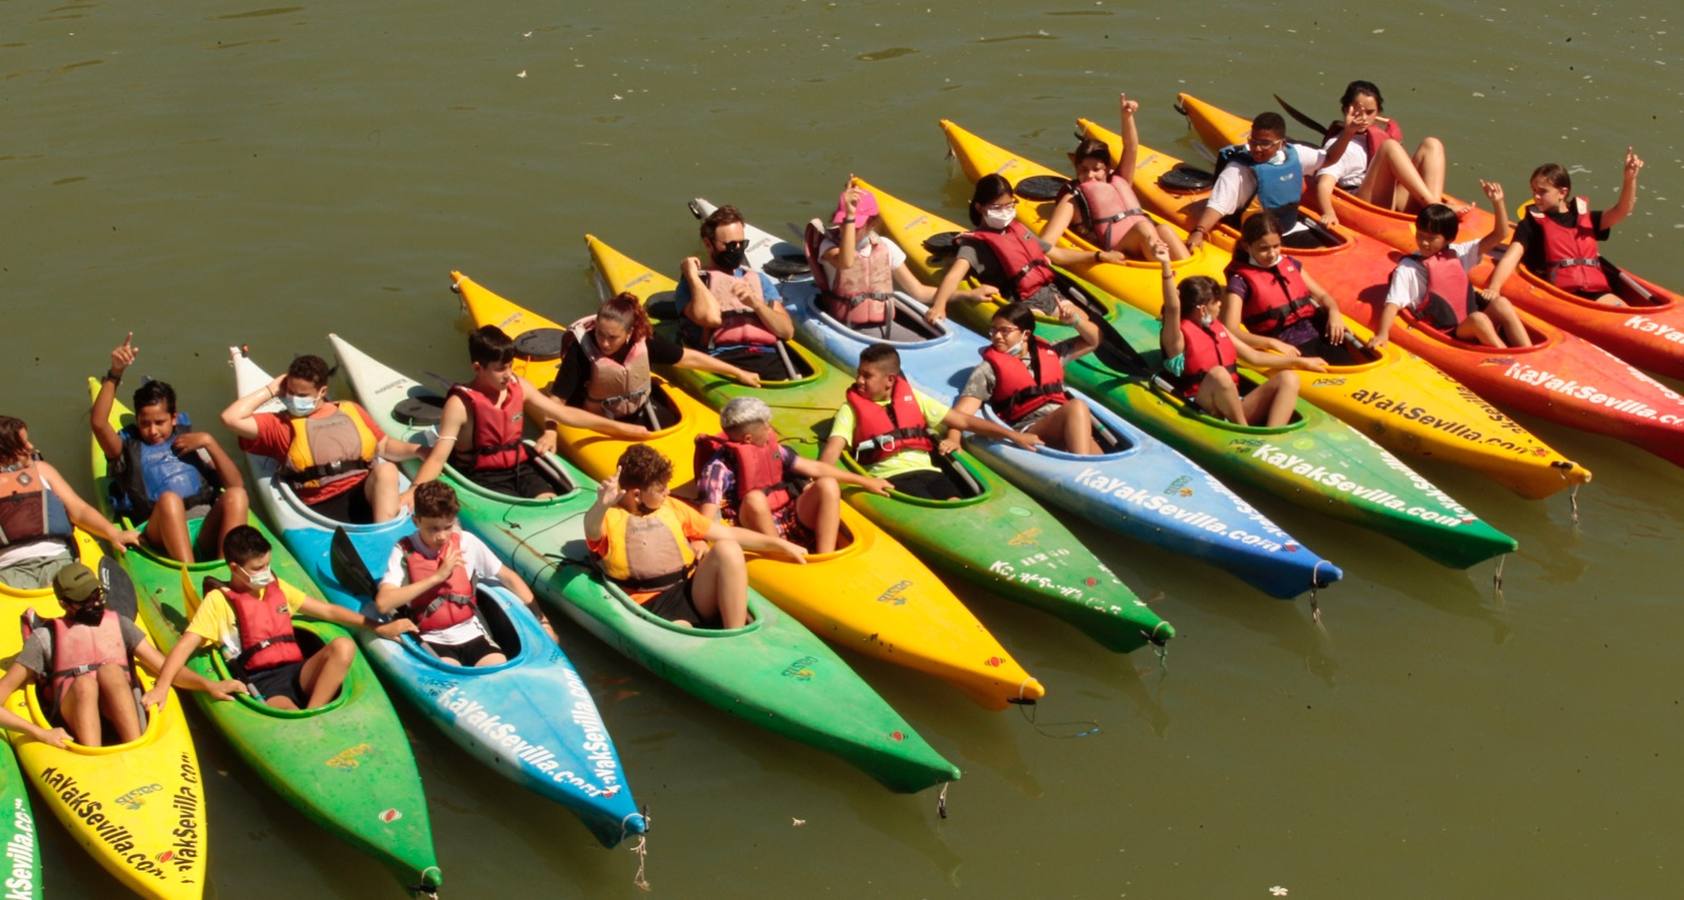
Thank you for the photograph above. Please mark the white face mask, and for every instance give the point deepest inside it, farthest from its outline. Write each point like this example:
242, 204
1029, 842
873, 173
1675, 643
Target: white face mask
1206, 317
998, 219
259, 578
299, 404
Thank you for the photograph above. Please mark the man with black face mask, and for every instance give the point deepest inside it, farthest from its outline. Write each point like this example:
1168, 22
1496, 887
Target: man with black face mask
732, 312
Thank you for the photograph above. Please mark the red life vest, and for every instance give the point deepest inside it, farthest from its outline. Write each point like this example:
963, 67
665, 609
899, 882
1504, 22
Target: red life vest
1019, 254
1571, 260
863, 294
80, 649
739, 323
497, 429
878, 432
1276, 297
1017, 390
1109, 209
265, 624
1373, 138
1447, 285
757, 467
444, 605
1203, 350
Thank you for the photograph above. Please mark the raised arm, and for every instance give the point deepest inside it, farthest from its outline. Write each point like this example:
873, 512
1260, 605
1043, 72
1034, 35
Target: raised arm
702, 309
1628, 191
1126, 109
845, 255
1170, 340
1505, 268
99, 419
241, 416
1499, 217
1087, 331
608, 493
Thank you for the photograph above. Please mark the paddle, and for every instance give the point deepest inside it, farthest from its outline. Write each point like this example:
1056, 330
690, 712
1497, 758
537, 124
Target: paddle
119, 589
348, 566
1041, 187
1302, 117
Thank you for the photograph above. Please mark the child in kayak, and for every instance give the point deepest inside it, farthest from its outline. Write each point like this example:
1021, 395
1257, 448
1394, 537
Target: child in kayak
163, 474
1021, 378
331, 453
747, 478
1557, 239
430, 580
249, 618
642, 539
857, 269
1101, 201
732, 312
39, 513
889, 428
1394, 178
1281, 307
1432, 283
82, 664
1203, 358
1274, 171
480, 428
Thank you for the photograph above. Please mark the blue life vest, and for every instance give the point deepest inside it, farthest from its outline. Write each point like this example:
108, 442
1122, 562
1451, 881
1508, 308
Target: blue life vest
1280, 186
146, 472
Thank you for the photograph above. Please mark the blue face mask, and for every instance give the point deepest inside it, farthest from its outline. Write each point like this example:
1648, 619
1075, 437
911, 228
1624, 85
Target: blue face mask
299, 405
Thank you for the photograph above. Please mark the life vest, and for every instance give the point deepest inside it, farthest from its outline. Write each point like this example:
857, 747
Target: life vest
267, 639
80, 649
1018, 391
645, 553
1276, 297
757, 467
613, 388
1204, 349
1019, 254
878, 432
1105, 206
738, 322
864, 293
29, 511
497, 429
1448, 288
330, 448
144, 472
1373, 138
1280, 186
1571, 260
443, 605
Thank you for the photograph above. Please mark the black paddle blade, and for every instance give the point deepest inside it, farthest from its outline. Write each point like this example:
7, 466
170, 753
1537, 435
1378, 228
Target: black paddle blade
1303, 118
1186, 177
119, 590
419, 411
348, 566
946, 242
540, 344
786, 267
1041, 187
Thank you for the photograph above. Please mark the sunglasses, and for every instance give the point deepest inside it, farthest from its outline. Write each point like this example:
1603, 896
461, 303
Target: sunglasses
734, 246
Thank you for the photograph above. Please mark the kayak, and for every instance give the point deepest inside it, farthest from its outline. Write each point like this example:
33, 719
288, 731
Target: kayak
530, 718
139, 807
368, 792
772, 672
872, 596
1648, 332
1013, 546
1391, 396
17, 832
1561, 377
1315, 460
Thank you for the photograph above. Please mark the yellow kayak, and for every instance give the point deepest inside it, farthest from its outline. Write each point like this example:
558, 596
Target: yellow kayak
139, 807
872, 596
1396, 398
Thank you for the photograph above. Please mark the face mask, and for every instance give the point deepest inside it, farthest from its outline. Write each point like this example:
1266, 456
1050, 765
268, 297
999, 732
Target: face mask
732, 257
89, 613
299, 404
1206, 317
998, 219
259, 577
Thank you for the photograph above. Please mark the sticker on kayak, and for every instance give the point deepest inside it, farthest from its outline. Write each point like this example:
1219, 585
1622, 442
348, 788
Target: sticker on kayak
136, 798
347, 758
892, 596
801, 669
1026, 536
390, 815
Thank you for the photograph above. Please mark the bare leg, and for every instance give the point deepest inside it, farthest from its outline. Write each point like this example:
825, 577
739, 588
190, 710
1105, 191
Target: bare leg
721, 585
755, 514
1610, 300
1177, 246
820, 509
166, 529
1429, 161
1273, 401
1502, 312
79, 708
1069, 428
324, 673
1392, 171
1220, 396
1477, 327
492, 659
116, 698
381, 488
227, 513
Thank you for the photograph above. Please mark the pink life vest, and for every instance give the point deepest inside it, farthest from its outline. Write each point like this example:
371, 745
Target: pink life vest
739, 323
863, 293
613, 388
1110, 209
1448, 287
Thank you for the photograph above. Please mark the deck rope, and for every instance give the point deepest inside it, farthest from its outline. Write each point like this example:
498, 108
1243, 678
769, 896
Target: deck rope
1497, 576
1573, 498
641, 848
1031, 714
1161, 651
941, 799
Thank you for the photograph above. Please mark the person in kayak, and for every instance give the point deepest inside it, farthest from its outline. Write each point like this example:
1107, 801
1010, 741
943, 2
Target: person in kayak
331, 453
890, 429
39, 514
732, 312
82, 664
1274, 171
1393, 178
747, 478
163, 474
642, 539
1101, 203
430, 578
1202, 358
1281, 307
1557, 239
1021, 378
1433, 284
249, 618
480, 428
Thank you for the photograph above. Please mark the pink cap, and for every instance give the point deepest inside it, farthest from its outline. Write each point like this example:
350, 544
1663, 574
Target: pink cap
863, 210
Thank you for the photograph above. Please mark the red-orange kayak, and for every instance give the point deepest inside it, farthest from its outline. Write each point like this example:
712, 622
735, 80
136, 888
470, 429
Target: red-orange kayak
1561, 377
1648, 332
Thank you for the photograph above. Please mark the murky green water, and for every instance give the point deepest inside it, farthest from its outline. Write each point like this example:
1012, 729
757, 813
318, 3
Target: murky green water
216, 173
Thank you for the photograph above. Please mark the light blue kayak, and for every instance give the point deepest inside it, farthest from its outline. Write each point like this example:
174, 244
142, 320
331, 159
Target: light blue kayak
531, 718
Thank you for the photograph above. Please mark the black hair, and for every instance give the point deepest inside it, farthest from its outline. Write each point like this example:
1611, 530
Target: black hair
1555, 174
436, 500
152, 393
11, 438
881, 356
244, 544
1436, 218
489, 345
1356, 89
988, 189
1197, 291
311, 368
1268, 121
1018, 314
642, 467
1256, 226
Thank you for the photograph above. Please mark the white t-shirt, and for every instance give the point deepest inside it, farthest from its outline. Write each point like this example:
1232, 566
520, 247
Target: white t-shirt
1238, 182
897, 256
1408, 286
481, 564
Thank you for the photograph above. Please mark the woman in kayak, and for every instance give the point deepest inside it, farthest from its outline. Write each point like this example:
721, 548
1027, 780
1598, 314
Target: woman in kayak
1433, 284
1274, 171
1203, 358
331, 453
1101, 201
1281, 308
163, 474
1394, 178
1557, 239
732, 312
39, 513
1021, 378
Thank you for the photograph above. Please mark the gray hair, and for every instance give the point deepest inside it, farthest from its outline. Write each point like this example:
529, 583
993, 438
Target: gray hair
744, 411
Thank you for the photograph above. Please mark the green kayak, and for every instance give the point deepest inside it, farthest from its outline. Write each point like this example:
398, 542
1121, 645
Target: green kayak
1013, 545
347, 765
21, 871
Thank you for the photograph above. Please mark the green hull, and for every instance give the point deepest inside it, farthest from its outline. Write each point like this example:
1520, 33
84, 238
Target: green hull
21, 871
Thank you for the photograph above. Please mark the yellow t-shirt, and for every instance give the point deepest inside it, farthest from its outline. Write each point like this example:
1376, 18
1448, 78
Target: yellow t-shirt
214, 619
905, 461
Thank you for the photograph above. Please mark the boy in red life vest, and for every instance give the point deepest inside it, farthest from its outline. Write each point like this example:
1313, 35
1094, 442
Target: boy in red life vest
430, 580
1557, 238
642, 539
1021, 378
482, 425
889, 428
745, 476
250, 618
1203, 358
731, 311
1433, 282
81, 664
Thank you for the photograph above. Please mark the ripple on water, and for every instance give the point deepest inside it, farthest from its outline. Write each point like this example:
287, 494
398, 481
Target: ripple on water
260, 13
1037, 36
890, 53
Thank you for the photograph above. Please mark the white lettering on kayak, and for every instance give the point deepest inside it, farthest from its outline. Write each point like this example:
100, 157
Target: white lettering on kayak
21, 851
1452, 515
503, 737
1590, 393
1660, 329
1095, 480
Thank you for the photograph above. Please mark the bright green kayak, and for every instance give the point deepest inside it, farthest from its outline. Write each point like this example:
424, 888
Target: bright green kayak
1012, 545
21, 870
347, 765
772, 672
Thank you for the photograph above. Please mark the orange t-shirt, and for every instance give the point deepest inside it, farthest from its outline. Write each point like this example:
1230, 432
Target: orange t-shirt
694, 525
